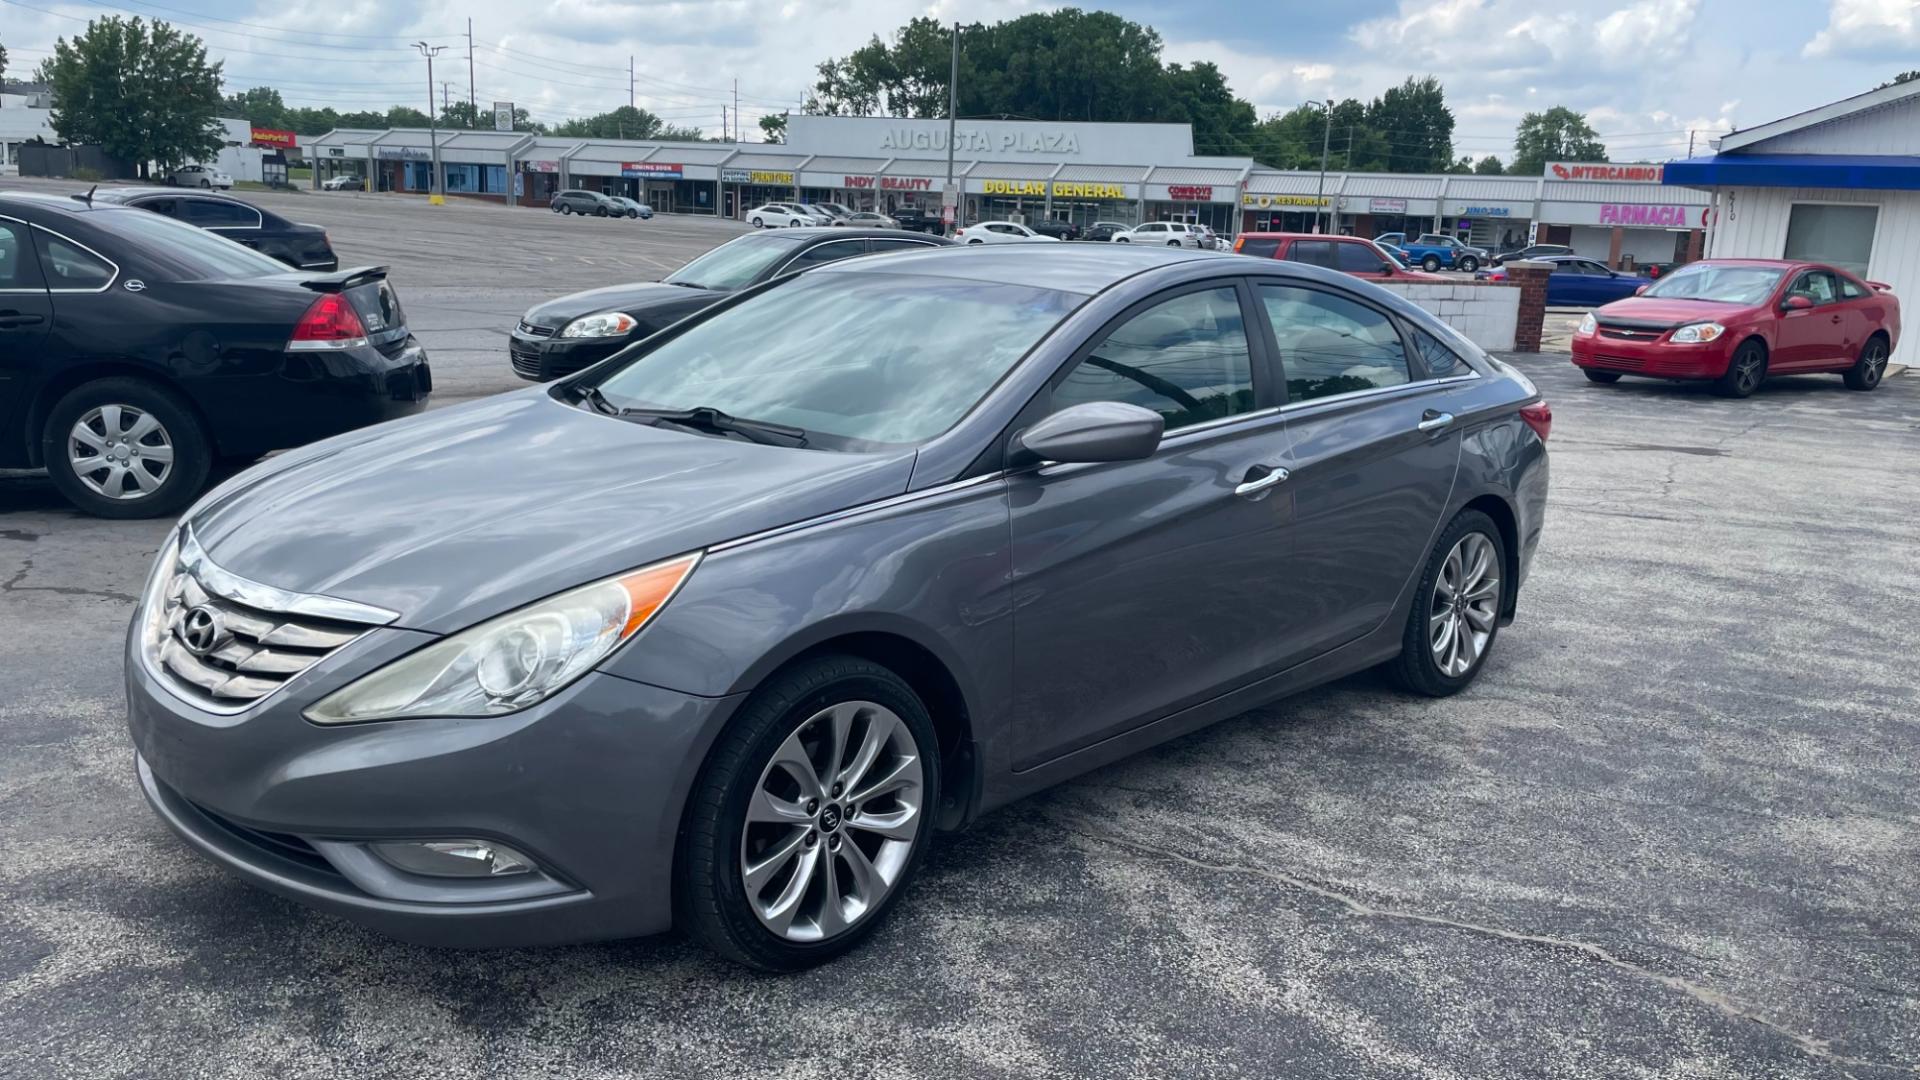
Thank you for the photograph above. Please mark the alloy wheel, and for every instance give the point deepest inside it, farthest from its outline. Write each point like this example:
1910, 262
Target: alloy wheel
1873, 365
120, 452
1465, 605
1747, 374
832, 822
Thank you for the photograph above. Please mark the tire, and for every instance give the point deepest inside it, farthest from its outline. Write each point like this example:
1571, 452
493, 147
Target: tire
1600, 376
633, 213
791, 717
599, 211
976, 242
206, 185
97, 403
564, 209
1866, 372
1745, 372
759, 224
1431, 264
1469, 264
1418, 668
1121, 240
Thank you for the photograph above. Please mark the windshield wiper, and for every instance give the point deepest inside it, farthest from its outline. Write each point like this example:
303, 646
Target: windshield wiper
592, 396
712, 420
686, 284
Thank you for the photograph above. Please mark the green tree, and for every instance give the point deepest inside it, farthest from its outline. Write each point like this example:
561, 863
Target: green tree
260, 106
1559, 134
1418, 126
1463, 167
363, 119
143, 92
1489, 166
1903, 77
3, 65
404, 116
773, 128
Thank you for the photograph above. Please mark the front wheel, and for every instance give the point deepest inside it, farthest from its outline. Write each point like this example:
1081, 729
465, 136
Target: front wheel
125, 448
1469, 264
1431, 264
976, 241
810, 817
759, 224
565, 209
1745, 371
1456, 610
1600, 376
205, 184
1121, 240
1866, 372
600, 212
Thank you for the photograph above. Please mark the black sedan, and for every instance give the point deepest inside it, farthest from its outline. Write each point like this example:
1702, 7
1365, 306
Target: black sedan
136, 351
1536, 251
303, 247
1059, 230
563, 336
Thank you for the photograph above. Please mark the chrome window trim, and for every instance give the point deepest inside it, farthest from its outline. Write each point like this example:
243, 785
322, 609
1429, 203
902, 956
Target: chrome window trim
1378, 391
43, 270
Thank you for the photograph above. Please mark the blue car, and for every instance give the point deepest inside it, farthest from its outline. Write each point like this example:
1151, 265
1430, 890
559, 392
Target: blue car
1578, 281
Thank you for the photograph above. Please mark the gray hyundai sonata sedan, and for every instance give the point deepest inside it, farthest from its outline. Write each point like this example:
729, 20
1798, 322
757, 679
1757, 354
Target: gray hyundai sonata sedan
720, 632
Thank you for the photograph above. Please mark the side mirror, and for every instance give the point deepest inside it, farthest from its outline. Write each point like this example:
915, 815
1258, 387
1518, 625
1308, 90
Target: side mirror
1796, 303
1641, 291
1094, 431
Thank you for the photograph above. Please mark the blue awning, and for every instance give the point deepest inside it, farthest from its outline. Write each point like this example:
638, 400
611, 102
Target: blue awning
1880, 172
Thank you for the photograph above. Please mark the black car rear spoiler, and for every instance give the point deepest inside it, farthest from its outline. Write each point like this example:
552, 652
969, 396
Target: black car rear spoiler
342, 280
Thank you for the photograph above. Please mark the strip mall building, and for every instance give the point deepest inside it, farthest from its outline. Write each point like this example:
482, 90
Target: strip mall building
1031, 170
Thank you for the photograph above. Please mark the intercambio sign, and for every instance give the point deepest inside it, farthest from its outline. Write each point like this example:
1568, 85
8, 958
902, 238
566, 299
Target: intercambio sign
1603, 170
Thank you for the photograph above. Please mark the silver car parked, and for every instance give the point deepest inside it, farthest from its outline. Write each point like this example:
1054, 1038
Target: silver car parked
722, 631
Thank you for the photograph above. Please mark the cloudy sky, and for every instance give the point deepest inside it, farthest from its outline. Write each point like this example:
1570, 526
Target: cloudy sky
1645, 71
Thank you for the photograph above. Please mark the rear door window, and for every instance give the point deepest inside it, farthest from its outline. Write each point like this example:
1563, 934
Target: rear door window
72, 268
217, 214
1332, 345
877, 245
821, 254
1357, 259
1312, 252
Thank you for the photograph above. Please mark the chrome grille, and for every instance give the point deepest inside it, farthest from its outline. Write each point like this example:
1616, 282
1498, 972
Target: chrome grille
531, 330
1633, 362
1629, 334
223, 642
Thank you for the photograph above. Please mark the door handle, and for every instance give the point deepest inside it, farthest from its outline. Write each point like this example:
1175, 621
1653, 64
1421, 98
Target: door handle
1836, 320
11, 319
1434, 420
1254, 487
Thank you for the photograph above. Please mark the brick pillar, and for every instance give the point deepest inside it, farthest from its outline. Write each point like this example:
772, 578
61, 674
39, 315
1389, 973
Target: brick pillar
1531, 277
1696, 242
1613, 247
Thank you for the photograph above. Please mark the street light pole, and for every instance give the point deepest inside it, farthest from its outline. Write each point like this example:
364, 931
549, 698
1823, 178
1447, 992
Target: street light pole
1326, 139
953, 114
436, 183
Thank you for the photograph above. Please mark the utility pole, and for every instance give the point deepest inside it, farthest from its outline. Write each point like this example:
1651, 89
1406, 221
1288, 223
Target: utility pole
473, 100
723, 125
949, 198
1326, 139
736, 110
1689, 142
629, 80
436, 183
446, 96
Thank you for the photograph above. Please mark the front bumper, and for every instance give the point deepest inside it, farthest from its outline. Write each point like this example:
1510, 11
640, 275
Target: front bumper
1602, 353
539, 359
590, 784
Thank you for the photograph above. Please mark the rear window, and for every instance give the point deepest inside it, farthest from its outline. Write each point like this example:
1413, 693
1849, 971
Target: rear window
185, 252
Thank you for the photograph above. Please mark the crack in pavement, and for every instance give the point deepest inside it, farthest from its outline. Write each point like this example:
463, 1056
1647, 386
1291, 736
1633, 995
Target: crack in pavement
1810, 1045
12, 585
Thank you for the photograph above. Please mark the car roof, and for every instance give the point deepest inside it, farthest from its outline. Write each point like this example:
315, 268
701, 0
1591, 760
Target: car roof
65, 204
1075, 268
1306, 236
125, 194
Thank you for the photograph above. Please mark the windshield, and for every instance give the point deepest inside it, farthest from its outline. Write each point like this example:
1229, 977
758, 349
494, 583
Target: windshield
1720, 284
190, 253
734, 264
863, 358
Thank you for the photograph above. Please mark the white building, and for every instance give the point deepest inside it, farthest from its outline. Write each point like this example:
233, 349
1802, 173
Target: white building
21, 121
1839, 184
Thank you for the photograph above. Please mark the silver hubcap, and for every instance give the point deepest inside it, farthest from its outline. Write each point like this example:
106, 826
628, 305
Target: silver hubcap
832, 822
1466, 605
120, 452
1876, 363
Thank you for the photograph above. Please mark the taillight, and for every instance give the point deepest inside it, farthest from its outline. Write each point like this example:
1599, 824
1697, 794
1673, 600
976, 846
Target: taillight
1539, 417
1238, 243
331, 323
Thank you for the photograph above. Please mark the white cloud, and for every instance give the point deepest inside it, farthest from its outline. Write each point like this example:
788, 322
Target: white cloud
1868, 28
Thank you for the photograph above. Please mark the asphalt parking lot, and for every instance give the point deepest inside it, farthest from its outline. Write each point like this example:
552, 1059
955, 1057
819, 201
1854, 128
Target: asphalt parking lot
1673, 831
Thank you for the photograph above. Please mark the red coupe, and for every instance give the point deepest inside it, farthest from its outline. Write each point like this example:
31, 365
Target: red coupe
1736, 321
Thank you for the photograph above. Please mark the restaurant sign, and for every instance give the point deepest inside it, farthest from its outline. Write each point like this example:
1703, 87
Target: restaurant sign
1190, 192
1264, 201
658, 169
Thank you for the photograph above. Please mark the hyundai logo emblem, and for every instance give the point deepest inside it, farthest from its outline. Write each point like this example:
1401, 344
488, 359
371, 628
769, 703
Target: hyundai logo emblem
202, 630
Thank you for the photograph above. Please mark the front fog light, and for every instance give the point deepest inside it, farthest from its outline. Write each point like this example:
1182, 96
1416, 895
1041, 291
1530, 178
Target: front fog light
453, 858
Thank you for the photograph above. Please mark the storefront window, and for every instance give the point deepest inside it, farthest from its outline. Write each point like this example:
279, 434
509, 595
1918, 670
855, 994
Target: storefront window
1215, 216
1838, 235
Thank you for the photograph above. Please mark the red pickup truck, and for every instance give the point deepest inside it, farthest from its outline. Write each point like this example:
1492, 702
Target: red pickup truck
1347, 254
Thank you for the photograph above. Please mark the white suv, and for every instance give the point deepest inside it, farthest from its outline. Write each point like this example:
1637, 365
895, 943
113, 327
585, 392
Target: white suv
200, 176
780, 216
1170, 233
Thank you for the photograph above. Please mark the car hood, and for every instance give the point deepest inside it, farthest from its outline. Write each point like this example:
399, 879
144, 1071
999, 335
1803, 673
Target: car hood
1652, 311
638, 300
462, 513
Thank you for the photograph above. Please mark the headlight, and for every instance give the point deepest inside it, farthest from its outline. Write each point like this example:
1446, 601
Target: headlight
1588, 325
605, 324
515, 660
1696, 333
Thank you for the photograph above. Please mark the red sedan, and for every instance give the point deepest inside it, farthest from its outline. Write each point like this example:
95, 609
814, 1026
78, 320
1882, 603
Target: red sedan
1736, 321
